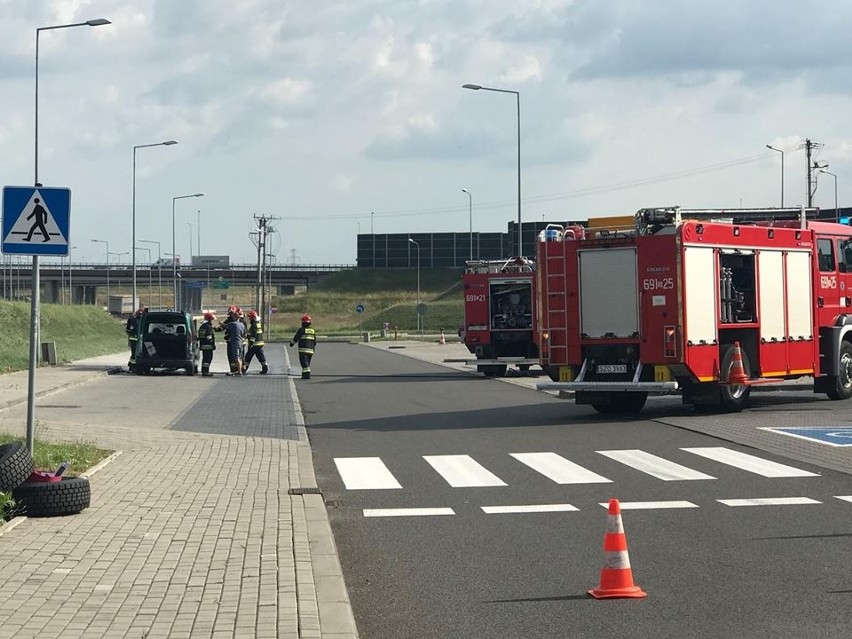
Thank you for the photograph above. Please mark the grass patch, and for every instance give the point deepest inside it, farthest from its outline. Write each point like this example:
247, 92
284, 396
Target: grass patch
79, 332
388, 295
48, 455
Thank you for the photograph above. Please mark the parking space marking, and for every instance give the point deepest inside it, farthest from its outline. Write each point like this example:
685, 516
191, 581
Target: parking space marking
651, 505
407, 512
530, 508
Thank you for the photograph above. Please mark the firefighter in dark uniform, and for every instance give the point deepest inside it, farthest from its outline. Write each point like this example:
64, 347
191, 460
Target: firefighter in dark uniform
255, 342
307, 338
207, 342
132, 330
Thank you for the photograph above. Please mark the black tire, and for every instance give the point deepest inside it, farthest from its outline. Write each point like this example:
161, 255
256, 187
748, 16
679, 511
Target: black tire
51, 499
622, 403
733, 397
16, 465
840, 386
524, 367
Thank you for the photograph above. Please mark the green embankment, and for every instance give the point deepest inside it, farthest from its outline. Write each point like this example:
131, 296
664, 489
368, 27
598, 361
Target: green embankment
388, 296
79, 332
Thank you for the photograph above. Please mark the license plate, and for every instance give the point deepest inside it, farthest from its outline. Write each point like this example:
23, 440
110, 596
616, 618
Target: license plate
612, 368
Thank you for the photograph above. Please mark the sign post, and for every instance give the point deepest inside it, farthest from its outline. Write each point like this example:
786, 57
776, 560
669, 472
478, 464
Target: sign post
35, 222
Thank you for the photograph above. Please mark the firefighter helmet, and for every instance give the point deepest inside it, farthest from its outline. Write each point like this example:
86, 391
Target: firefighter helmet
232, 309
252, 314
210, 316
306, 319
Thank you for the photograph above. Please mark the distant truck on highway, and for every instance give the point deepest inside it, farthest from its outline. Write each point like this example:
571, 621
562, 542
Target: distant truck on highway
211, 261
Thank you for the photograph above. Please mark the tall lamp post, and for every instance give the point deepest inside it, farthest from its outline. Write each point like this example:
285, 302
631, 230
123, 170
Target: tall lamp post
107, 265
470, 214
479, 87
418, 282
836, 210
150, 267
768, 146
133, 225
189, 224
70, 270
174, 252
159, 272
35, 293
373, 265
198, 234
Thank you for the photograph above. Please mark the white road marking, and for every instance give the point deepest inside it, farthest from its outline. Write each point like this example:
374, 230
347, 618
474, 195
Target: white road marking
462, 471
653, 465
651, 505
769, 501
559, 469
365, 473
749, 463
531, 508
407, 512
844, 497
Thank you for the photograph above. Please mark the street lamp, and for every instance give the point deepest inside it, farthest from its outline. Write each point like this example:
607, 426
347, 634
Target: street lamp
189, 224
150, 266
159, 272
782, 171
70, 288
35, 292
836, 210
107, 265
479, 87
174, 252
418, 282
470, 212
372, 213
133, 215
198, 234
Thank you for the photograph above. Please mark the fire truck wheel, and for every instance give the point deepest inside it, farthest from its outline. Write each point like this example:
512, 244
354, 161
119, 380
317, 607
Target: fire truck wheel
840, 387
622, 404
734, 397
16, 465
49, 499
497, 370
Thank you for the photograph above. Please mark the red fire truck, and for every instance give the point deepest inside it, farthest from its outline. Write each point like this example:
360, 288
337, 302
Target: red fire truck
704, 302
499, 314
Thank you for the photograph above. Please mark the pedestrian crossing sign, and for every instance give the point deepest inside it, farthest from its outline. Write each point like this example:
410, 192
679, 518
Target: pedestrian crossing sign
35, 220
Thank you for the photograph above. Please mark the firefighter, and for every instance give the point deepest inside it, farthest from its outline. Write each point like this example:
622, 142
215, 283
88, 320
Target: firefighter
307, 338
255, 342
132, 330
207, 342
241, 317
235, 332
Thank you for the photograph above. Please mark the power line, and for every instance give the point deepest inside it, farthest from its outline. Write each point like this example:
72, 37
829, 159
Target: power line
540, 199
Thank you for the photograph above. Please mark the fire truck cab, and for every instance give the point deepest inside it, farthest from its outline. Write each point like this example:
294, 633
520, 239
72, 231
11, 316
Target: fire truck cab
707, 303
499, 314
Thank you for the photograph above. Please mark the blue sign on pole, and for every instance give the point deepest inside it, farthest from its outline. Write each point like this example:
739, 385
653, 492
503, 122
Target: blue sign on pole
830, 435
36, 220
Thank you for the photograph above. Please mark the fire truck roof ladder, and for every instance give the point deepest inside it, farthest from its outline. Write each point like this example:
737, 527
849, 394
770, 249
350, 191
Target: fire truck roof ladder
650, 221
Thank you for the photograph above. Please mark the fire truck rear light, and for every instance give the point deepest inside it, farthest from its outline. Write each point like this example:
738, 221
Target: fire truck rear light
545, 336
669, 341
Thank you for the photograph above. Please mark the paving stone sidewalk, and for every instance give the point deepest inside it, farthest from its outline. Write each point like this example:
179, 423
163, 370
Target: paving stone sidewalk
190, 534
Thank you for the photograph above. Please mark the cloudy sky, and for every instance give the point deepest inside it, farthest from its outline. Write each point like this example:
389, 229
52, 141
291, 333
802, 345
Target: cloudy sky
319, 112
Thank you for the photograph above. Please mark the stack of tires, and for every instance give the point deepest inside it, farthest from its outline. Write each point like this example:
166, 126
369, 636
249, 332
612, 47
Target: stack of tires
44, 498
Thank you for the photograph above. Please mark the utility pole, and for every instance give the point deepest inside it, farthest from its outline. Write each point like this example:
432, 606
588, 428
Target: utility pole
259, 237
812, 182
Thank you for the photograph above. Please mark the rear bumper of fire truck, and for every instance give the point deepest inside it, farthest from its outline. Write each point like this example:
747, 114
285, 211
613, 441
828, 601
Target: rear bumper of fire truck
619, 387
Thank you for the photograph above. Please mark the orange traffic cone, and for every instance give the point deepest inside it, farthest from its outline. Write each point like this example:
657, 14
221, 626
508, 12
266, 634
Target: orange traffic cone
442, 339
737, 374
616, 575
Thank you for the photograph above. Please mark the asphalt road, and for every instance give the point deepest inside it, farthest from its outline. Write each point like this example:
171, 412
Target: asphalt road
445, 439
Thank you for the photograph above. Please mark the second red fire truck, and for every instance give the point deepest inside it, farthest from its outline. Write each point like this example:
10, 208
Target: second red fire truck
707, 303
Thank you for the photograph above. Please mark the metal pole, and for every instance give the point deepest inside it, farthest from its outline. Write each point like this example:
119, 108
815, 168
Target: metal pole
470, 215
174, 259
198, 234
520, 234
372, 213
133, 234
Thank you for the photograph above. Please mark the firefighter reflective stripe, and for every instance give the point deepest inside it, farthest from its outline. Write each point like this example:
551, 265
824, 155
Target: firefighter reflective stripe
255, 334
206, 337
308, 340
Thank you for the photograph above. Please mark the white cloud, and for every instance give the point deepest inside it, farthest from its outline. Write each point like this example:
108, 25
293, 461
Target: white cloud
336, 109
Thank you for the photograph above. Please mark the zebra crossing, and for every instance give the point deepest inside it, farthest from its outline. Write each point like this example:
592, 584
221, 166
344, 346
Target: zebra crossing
463, 471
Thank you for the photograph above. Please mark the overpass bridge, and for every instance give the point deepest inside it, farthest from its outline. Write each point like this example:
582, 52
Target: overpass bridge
79, 283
